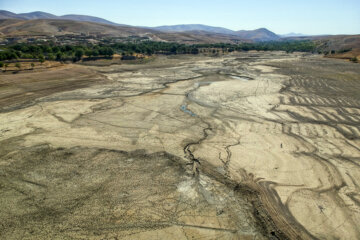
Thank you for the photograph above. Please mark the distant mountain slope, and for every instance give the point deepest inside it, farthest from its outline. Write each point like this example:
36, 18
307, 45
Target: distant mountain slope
86, 18
222, 34
261, 34
16, 27
43, 15
57, 27
8, 15
36, 15
344, 46
194, 27
293, 35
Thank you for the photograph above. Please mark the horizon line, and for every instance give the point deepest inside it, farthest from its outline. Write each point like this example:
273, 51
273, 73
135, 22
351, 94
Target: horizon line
178, 24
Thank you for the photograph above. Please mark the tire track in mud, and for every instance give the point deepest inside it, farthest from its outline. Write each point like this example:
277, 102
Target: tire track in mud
266, 210
270, 199
274, 216
195, 162
317, 99
276, 211
279, 212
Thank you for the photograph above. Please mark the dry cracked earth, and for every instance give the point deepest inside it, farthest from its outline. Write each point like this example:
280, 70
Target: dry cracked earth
243, 146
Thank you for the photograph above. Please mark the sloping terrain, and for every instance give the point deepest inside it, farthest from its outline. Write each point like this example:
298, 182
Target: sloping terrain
244, 146
261, 34
43, 15
22, 89
86, 18
54, 27
36, 15
292, 35
344, 46
194, 27
8, 15
60, 27
218, 34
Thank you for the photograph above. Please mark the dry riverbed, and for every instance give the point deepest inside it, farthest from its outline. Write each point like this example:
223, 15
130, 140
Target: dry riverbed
244, 146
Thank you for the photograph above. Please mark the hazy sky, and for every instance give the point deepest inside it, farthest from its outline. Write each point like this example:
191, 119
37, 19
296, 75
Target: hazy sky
280, 16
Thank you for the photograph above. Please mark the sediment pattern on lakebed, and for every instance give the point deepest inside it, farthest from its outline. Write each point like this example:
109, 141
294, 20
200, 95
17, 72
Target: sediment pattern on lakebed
243, 146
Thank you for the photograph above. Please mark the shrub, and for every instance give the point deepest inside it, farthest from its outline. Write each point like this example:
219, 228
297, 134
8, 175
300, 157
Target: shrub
354, 59
18, 65
51, 57
344, 50
41, 58
78, 54
59, 56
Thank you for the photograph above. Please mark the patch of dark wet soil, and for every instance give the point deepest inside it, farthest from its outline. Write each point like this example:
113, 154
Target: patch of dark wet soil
48, 193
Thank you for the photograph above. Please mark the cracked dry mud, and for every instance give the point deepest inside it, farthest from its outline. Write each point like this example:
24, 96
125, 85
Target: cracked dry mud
244, 146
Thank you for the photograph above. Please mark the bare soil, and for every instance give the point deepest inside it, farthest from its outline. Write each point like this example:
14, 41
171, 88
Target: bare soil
243, 146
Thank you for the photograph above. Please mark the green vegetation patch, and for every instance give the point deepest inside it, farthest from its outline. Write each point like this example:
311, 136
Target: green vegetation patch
52, 51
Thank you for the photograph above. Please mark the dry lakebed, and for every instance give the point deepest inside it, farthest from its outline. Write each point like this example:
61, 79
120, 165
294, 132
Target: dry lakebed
243, 146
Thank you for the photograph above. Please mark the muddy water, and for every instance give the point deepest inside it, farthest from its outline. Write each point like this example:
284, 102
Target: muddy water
186, 110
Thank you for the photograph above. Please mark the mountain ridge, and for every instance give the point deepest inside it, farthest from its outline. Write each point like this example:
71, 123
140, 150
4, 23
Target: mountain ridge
58, 27
193, 27
44, 15
292, 34
261, 34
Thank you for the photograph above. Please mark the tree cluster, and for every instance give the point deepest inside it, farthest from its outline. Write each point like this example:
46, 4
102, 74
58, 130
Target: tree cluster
51, 51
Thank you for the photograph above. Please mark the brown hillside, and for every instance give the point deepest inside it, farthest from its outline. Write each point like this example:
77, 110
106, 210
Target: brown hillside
50, 27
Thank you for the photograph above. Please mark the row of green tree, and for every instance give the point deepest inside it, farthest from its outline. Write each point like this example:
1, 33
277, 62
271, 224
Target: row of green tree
51, 51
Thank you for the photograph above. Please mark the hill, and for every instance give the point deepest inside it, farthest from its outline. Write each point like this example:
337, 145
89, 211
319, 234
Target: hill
36, 15
43, 15
194, 27
17, 27
258, 35
334, 46
261, 34
222, 34
8, 15
42, 23
293, 35
56, 27
86, 18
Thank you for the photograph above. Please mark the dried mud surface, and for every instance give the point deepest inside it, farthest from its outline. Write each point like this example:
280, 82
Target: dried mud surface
244, 146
